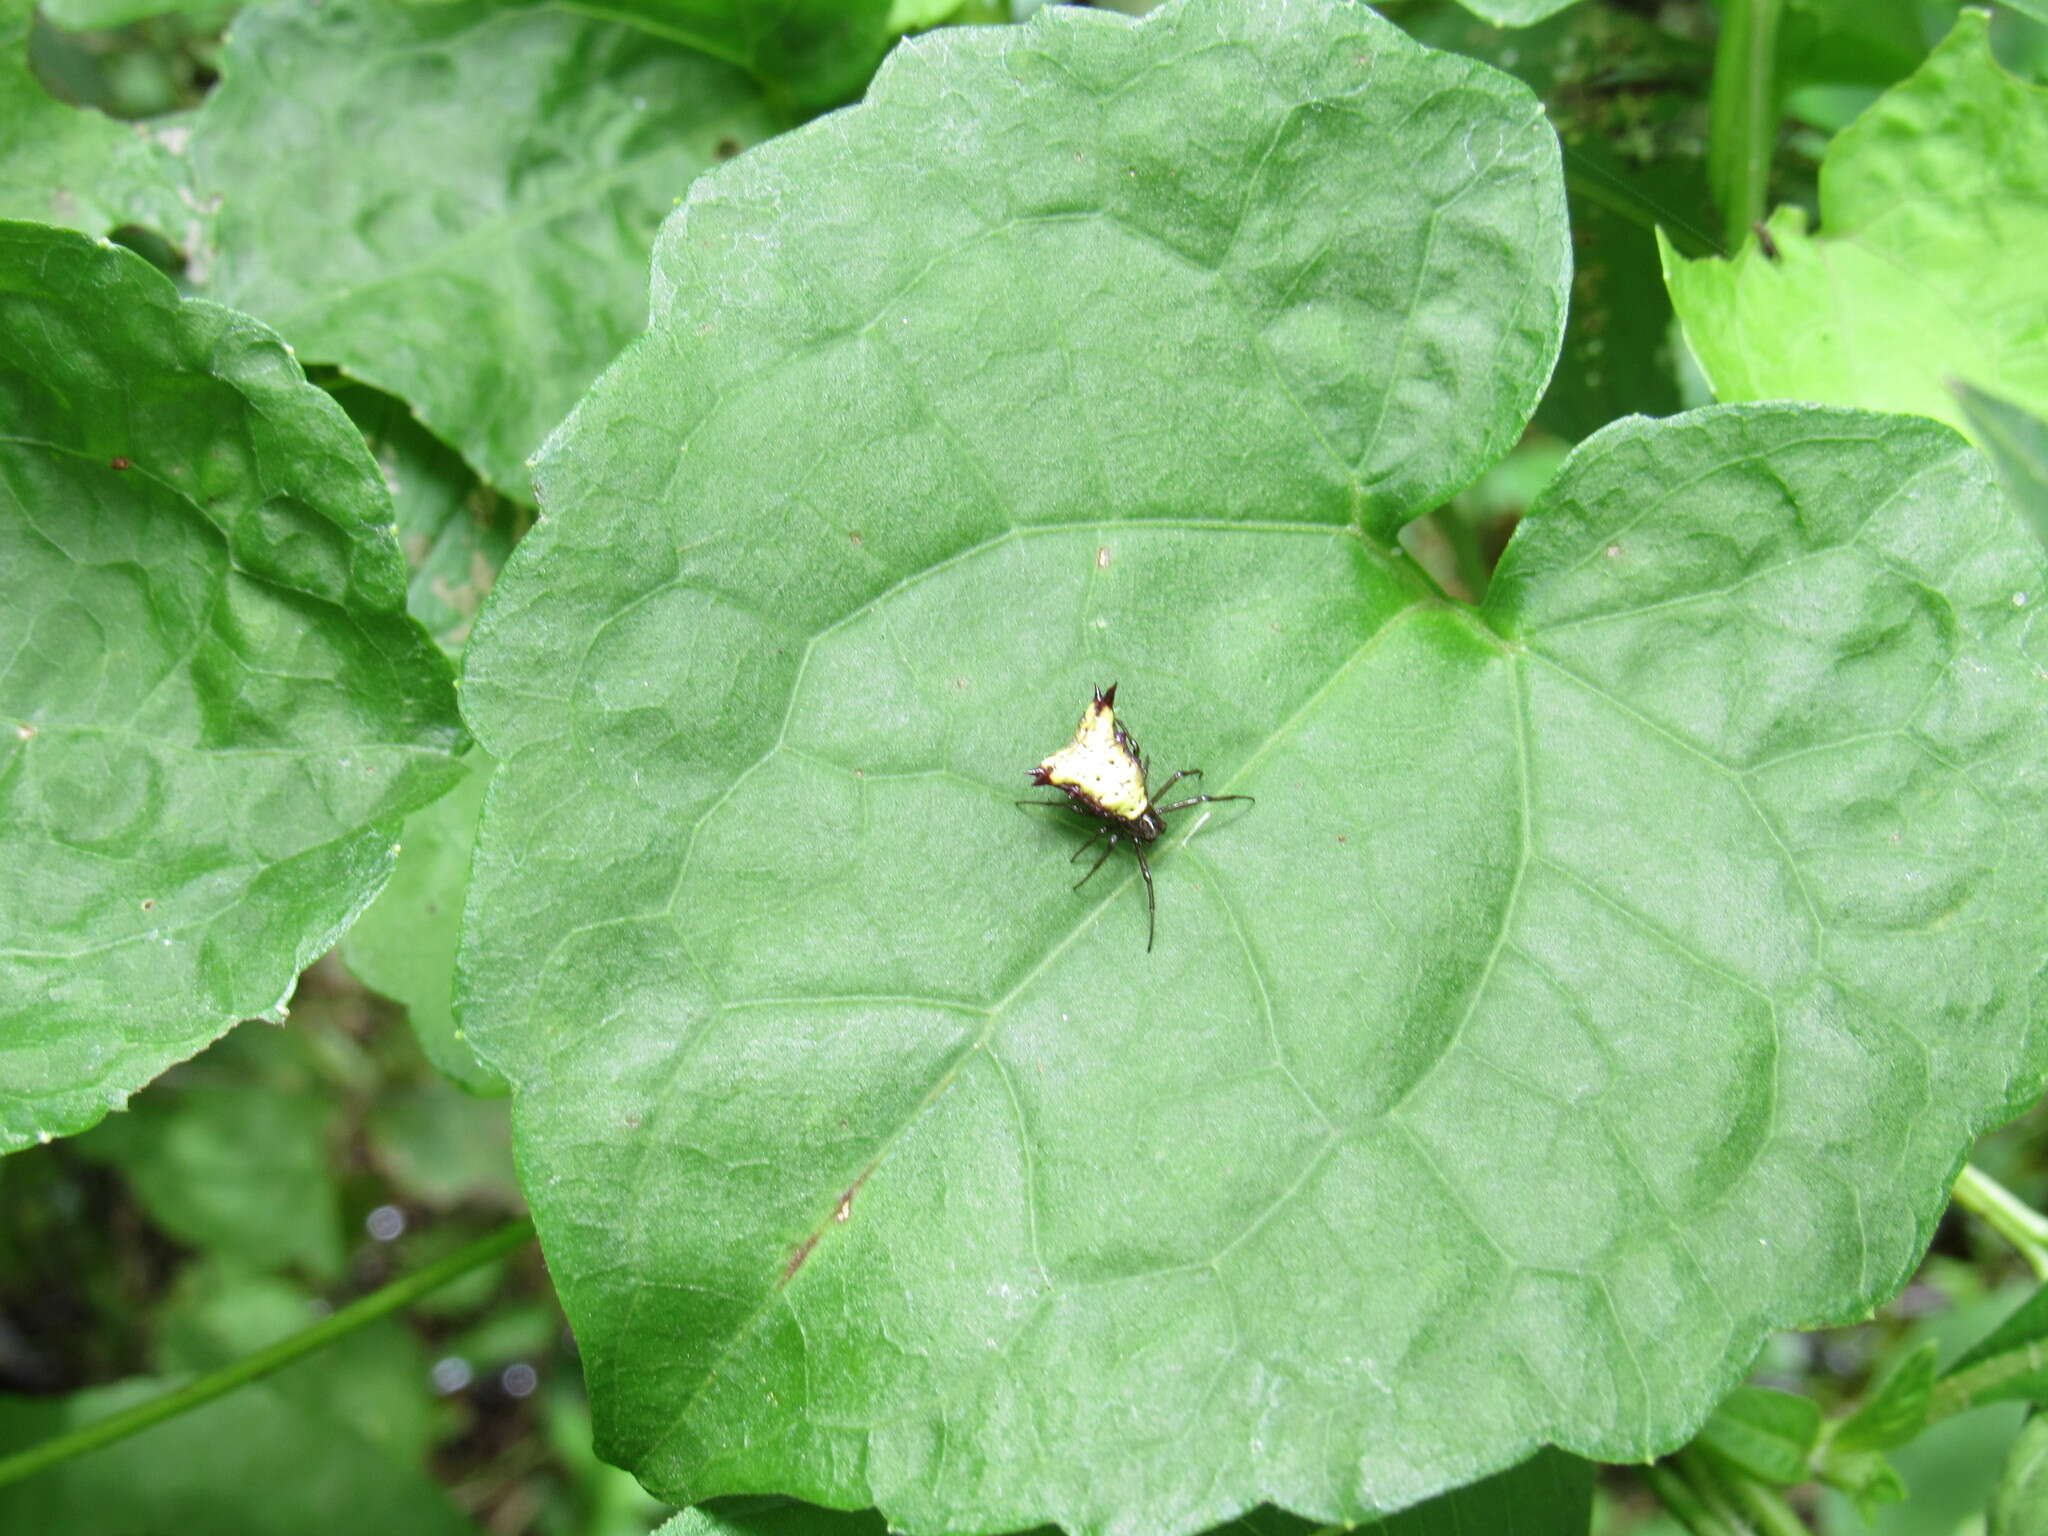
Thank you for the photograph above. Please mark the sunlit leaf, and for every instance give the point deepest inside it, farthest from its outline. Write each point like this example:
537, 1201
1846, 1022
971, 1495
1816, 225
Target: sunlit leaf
1933, 211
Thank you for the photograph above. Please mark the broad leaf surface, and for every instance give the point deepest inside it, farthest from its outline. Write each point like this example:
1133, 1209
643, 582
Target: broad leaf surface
216, 711
1601, 978
66, 165
1934, 212
454, 202
1548, 1495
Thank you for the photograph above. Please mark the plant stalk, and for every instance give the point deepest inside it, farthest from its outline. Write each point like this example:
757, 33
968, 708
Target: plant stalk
1706, 1483
272, 1357
1742, 120
1683, 1505
1766, 1508
2006, 1214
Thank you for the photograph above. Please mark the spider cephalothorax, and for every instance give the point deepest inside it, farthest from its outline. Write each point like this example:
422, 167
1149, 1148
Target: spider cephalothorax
1103, 774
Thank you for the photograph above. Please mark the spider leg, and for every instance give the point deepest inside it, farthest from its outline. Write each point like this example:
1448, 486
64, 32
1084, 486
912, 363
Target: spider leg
1181, 805
1185, 773
1151, 902
1100, 828
1056, 804
1107, 849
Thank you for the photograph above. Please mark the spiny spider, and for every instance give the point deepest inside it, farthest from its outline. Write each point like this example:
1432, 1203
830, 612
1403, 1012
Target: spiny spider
1104, 772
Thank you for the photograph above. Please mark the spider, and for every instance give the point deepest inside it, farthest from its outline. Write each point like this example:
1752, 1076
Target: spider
1104, 772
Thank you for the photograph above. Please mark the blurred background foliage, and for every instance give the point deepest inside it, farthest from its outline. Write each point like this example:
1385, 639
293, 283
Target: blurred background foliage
291, 1168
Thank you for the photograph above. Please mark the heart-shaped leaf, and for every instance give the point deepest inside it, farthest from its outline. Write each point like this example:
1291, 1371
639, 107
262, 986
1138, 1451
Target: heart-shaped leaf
454, 202
1934, 211
1601, 978
216, 712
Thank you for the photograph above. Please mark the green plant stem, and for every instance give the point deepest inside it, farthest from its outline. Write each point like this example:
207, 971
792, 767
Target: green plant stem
1685, 1506
1705, 1481
1765, 1507
1742, 121
2006, 1214
253, 1367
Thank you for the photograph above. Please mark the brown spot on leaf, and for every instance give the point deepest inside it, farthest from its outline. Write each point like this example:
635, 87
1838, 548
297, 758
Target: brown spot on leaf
796, 1259
117, 462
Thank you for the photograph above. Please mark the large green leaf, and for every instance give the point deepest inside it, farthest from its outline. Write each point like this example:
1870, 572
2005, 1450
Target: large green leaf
1934, 212
454, 202
216, 711
61, 164
1601, 979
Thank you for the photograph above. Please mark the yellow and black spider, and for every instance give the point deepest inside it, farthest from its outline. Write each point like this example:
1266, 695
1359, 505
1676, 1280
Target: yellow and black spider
1104, 773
